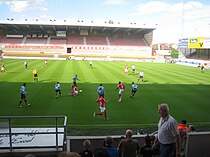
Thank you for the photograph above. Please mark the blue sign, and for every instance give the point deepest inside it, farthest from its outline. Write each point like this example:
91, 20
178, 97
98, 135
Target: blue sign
183, 43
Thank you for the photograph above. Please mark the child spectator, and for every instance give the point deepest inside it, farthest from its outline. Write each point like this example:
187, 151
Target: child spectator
86, 152
109, 148
147, 150
183, 130
100, 152
192, 128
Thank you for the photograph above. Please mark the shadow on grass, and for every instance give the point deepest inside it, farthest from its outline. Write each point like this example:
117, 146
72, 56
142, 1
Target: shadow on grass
140, 112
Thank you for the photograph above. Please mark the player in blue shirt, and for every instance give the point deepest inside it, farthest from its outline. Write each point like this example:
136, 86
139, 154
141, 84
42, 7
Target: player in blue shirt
134, 89
100, 91
57, 89
75, 78
23, 95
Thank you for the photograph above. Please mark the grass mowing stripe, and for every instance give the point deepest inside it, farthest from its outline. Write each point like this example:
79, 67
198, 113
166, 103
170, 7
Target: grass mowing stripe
186, 90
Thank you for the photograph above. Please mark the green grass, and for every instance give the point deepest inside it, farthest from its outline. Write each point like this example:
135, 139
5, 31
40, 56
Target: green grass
185, 89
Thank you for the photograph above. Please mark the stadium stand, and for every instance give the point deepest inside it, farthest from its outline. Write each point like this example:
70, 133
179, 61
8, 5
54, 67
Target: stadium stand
2, 38
75, 40
12, 41
59, 41
202, 54
96, 40
127, 42
36, 40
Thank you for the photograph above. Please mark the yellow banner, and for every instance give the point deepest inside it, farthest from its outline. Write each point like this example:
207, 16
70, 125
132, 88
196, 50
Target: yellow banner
196, 42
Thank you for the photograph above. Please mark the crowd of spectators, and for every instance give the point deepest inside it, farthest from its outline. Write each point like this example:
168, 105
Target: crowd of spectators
168, 141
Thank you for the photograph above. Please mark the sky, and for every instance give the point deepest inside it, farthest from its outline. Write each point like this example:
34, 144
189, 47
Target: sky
173, 19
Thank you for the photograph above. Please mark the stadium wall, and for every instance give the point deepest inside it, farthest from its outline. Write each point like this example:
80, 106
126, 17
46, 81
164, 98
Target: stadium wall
78, 51
197, 143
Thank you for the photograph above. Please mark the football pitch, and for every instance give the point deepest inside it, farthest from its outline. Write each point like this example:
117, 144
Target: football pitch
185, 89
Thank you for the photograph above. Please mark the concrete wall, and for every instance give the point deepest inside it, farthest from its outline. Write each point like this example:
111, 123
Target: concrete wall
198, 143
75, 143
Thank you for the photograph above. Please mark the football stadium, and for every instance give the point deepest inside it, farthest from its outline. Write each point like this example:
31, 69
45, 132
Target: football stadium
97, 53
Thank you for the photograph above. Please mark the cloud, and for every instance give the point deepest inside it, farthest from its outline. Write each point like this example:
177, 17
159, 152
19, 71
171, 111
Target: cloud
25, 5
18, 6
174, 20
190, 8
114, 2
161, 12
151, 8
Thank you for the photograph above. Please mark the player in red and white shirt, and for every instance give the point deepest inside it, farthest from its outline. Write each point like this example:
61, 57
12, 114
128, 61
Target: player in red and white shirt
3, 69
75, 90
102, 102
121, 88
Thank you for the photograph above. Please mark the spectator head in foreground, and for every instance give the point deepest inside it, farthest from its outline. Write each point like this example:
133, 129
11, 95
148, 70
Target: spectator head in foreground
68, 154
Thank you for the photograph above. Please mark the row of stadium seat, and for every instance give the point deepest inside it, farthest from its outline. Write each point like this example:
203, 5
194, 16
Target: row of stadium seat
77, 40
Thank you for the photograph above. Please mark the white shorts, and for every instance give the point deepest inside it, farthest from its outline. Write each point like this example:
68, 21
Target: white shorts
121, 91
2, 68
76, 92
102, 109
126, 70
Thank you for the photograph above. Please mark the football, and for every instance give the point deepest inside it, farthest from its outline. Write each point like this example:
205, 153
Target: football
80, 91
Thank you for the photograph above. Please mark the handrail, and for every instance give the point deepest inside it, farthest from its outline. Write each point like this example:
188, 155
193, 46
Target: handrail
57, 132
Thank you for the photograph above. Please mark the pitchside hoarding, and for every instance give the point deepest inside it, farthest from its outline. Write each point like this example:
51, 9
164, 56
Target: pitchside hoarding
31, 137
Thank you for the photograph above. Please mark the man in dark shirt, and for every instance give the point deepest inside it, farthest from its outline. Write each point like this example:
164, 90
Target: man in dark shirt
128, 147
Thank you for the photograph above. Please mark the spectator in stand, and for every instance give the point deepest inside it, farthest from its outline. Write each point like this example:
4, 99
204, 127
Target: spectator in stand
128, 147
109, 148
100, 152
192, 128
68, 154
183, 130
168, 134
86, 152
147, 149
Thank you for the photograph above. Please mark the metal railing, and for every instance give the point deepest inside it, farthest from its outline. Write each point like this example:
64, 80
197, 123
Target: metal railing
10, 134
